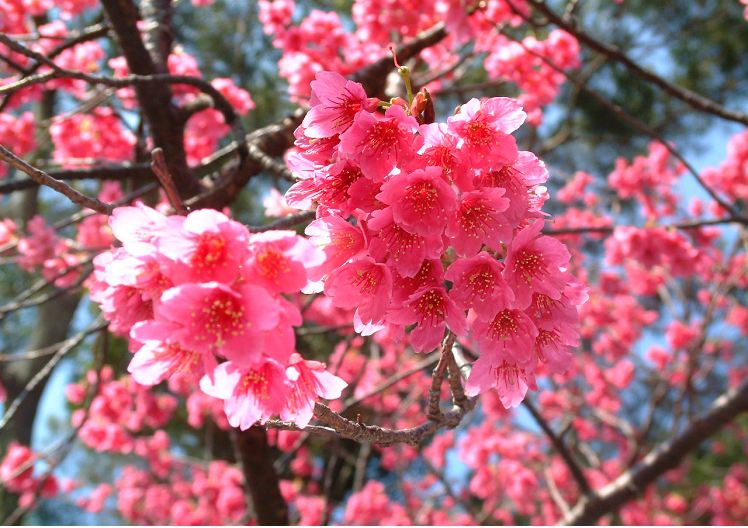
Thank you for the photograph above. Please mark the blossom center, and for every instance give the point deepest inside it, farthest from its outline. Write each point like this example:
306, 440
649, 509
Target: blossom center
528, 264
210, 251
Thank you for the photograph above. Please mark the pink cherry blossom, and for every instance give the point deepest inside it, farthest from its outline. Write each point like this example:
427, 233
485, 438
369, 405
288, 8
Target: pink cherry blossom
308, 380
379, 143
250, 395
533, 265
334, 105
212, 317
421, 201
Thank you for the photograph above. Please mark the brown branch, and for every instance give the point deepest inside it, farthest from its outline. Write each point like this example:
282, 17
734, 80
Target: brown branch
383, 436
154, 98
560, 447
696, 224
161, 170
73, 342
42, 178
693, 99
669, 455
114, 172
635, 123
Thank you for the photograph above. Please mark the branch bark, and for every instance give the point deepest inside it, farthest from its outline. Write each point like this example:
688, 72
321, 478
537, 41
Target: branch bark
661, 459
693, 99
154, 98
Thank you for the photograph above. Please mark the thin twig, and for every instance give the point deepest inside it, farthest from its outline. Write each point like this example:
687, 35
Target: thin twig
43, 178
161, 170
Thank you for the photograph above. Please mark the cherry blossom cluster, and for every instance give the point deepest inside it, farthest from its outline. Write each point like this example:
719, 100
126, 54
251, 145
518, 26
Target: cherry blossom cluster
311, 45
649, 180
17, 134
17, 475
125, 417
437, 204
56, 258
192, 290
17, 14
84, 139
523, 64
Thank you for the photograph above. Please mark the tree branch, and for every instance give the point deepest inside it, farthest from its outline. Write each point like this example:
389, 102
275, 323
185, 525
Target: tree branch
42, 178
667, 456
693, 99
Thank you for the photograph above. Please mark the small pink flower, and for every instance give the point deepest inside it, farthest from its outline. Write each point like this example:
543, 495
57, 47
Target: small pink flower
7, 231
278, 261
331, 187
534, 265
477, 283
334, 104
309, 380
421, 201
211, 317
207, 246
510, 334
510, 379
276, 206
250, 395
484, 128
438, 148
479, 220
159, 358
404, 251
432, 310
377, 143
362, 284
137, 227
339, 240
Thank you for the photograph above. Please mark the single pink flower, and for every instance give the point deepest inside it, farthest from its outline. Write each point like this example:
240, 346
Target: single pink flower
479, 219
309, 380
278, 261
206, 247
159, 358
510, 334
421, 201
431, 273
250, 395
437, 147
518, 179
331, 187
339, 240
534, 264
432, 310
334, 103
212, 317
477, 283
484, 128
378, 143
400, 249
137, 227
510, 379
362, 284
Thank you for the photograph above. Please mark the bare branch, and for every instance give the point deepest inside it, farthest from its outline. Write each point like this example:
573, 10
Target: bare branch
73, 342
161, 170
693, 99
667, 456
42, 178
560, 447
